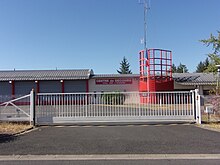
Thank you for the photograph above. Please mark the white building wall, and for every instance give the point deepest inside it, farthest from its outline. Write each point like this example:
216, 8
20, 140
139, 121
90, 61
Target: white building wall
178, 86
94, 87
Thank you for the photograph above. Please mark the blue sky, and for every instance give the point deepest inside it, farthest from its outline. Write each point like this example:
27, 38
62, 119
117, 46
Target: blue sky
96, 34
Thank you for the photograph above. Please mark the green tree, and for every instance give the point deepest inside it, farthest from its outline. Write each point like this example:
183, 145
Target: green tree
202, 66
181, 68
174, 68
214, 57
124, 67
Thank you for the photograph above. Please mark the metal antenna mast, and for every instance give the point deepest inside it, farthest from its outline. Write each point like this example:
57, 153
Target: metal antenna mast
146, 7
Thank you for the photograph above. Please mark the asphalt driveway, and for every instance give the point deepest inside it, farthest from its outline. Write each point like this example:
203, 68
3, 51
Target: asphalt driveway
139, 139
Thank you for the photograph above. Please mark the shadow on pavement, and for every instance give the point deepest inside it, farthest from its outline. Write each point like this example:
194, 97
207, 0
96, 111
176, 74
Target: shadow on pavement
5, 138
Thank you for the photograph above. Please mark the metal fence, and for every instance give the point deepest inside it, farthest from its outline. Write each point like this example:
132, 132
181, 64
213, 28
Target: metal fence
15, 108
114, 107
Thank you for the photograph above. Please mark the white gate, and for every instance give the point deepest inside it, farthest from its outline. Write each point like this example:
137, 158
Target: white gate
16, 108
64, 108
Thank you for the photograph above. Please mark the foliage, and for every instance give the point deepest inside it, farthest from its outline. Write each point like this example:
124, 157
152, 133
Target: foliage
214, 100
214, 91
124, 67
214, 57
202, 66
181, 68
174, 68
214, 42
113, 98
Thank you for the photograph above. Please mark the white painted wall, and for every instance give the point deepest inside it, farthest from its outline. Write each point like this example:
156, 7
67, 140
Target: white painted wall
178, 86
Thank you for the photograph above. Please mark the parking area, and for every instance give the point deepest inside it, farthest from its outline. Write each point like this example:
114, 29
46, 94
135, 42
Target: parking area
129, 139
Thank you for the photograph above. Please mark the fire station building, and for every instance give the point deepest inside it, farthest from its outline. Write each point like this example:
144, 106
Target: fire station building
21, 82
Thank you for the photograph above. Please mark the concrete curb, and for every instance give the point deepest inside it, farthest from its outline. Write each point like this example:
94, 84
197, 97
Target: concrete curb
114, 157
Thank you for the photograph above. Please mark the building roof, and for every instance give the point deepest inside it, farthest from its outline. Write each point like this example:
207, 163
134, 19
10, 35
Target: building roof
79, 74
24, 75
195, 78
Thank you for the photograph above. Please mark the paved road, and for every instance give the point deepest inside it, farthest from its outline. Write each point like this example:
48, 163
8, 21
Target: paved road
152, 139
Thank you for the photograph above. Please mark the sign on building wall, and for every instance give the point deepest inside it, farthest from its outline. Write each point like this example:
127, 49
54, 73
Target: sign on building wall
113, 81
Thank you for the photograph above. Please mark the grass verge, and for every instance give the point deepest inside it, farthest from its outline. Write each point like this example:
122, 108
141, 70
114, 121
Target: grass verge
13, 128
215, 126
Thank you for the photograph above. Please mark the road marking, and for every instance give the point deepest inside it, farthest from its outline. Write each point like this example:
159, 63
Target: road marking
130, 125
86, 126
158, 125
144, 125
188, 124
74, 126
172, 124
44, 126
113, 157
101, 126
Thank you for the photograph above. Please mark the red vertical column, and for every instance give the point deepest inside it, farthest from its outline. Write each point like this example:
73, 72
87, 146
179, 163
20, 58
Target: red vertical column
171, 65
154, 68
87, 86
142, 63
37, 87
13, 88
37, 91
161, 64
166, 64
63, 86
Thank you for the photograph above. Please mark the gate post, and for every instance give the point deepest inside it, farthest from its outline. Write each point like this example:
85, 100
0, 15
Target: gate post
198, 107
193, 104
32, 107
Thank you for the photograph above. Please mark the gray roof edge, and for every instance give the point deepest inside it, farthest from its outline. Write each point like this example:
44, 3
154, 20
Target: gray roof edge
115, 75
44, 70
196, 83
42, 79
25, 75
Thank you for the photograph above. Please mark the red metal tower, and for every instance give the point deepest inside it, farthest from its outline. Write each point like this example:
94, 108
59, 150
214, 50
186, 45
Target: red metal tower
156, 70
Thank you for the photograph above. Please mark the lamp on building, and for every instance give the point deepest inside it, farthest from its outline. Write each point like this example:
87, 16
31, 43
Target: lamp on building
36, 81
10, 82
61, 81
